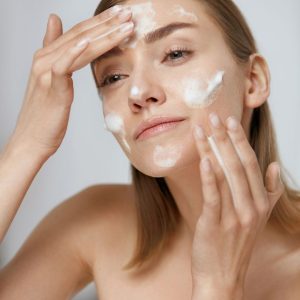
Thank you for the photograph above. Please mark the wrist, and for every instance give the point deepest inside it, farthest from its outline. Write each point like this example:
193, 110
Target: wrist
18, 150
217, 292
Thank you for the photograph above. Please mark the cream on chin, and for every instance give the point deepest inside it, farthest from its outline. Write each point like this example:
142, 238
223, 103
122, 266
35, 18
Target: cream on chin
167, 156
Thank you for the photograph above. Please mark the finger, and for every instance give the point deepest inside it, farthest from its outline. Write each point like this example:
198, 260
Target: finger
274, 185
241, 193
103, 43
60, 72
211, 208
250, 163
109, 16
54, 30
205, 150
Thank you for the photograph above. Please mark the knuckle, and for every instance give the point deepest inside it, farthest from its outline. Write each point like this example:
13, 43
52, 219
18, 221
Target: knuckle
44, 80
249, 220
56, 70
37, 66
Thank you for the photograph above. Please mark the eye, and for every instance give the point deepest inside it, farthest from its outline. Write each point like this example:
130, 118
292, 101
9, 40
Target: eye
110, 79
176, 54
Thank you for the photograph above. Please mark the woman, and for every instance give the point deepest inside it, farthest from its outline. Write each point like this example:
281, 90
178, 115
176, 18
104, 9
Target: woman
181, 84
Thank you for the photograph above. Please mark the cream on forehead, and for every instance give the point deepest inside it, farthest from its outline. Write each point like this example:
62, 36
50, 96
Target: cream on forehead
143, 15
196, 95
115, 123
167, 156
181, 12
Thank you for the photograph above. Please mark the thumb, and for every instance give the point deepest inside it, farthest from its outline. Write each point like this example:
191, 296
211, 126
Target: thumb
54, 29
273, 182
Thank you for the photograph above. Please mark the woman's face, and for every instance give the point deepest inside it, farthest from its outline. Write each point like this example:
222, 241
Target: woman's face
187, 72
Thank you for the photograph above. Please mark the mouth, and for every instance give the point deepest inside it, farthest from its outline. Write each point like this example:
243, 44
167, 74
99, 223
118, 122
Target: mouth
157, 126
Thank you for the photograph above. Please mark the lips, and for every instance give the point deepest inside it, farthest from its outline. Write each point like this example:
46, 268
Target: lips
154, 122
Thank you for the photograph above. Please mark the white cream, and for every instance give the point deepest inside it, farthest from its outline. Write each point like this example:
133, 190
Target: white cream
143, 16
196, 95
135, 91
167, 156
114, 123
220, 160
181, 12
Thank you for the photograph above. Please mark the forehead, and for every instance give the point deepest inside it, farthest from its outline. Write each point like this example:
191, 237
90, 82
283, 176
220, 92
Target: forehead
169, 10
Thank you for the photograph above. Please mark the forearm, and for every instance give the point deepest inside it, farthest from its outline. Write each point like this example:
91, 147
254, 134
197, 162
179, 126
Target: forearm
18, 167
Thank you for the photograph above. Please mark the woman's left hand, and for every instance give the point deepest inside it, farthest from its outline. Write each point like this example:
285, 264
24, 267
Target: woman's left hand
235, 209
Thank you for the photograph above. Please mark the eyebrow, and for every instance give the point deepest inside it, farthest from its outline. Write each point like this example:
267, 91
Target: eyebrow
150, 37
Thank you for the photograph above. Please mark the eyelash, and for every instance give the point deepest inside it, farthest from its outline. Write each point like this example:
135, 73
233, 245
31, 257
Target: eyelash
167, 53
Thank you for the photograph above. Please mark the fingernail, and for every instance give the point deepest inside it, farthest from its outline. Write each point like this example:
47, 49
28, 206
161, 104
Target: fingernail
125, 14
126, 27
232, 124
115, 10
199, 132
215, 120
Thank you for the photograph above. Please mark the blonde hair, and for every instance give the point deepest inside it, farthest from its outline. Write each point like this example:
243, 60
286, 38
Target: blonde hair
157, 212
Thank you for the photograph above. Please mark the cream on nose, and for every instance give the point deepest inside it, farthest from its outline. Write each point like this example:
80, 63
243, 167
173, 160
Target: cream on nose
135, 91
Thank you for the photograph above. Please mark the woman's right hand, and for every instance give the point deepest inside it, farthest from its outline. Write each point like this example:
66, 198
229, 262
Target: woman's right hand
44, 116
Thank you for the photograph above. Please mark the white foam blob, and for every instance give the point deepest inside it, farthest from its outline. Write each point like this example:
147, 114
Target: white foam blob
143, 15
196, 95
166, 156
115, 124
135, 91
181, 12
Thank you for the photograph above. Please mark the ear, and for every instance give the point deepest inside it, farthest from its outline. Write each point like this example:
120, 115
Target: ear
257, 81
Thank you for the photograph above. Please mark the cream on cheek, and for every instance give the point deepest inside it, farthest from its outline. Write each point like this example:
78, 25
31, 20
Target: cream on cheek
115, 124
197, 93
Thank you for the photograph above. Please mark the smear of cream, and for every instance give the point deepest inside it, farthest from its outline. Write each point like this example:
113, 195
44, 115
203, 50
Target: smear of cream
196, 95
166, 156
181, 12
143, 16
114, 123
220, 160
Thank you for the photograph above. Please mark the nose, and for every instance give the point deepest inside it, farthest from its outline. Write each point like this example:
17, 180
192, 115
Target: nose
144, 93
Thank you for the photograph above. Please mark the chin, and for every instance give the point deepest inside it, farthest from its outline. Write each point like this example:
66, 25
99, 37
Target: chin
160, 164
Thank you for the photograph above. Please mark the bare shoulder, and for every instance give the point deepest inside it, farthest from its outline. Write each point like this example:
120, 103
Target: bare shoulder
101, 214
61, 250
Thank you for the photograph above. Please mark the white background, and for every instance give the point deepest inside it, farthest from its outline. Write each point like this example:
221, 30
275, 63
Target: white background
89, 154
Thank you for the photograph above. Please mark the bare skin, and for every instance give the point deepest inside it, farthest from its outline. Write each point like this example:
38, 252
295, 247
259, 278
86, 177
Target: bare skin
97, 248
81, 241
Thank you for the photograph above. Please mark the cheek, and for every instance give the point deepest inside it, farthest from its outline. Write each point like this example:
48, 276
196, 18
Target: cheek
114, 123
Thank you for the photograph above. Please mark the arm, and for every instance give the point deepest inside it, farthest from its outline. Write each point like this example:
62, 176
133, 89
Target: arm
51, 264
18, 167
216, 293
